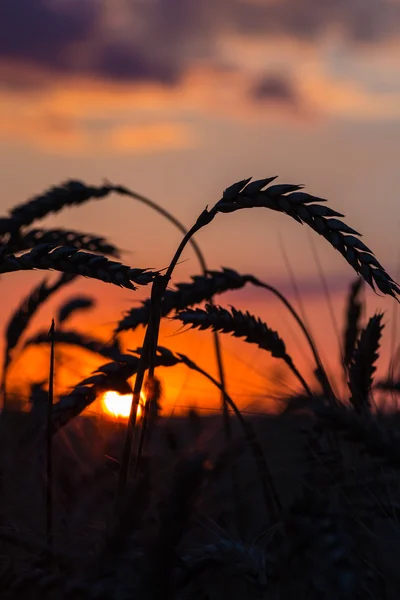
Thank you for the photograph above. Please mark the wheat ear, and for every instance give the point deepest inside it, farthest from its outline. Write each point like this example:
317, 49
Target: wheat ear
70, 260
110, 376
72, 305
24, 314
201, 288
89, 242
305, 208
70, 193
74, 338
362, 365
244, 325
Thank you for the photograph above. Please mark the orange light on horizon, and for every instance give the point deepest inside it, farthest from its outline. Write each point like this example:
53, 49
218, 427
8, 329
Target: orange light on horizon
119, 405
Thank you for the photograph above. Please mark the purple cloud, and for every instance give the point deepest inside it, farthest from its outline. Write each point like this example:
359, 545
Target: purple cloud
164, 38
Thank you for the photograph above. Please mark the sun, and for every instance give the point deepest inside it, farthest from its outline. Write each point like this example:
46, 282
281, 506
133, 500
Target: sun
119, 405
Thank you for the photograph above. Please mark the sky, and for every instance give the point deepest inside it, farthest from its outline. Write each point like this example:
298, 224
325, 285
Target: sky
177, 99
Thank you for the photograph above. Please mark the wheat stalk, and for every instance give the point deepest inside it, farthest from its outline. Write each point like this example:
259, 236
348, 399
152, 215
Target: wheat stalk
70, 260
305, 208
74, 304
49, 449
20, 242
74, 338
362, 366
244, 325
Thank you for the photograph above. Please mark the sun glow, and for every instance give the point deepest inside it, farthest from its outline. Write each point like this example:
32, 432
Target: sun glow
119, 405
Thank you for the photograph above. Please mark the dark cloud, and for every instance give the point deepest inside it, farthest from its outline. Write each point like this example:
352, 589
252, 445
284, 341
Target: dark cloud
64, 35
35, 33
134, 64
276, 88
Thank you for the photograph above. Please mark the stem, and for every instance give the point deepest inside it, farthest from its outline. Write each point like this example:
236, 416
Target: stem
200, 256
154, 325
325, 382
297, 374
4, 379
126, 454
49, 448
147, 356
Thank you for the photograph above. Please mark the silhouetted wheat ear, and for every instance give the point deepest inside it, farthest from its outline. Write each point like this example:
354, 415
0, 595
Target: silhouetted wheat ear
70, 260
72, 305
242, 325
304, 208
238, 323
74, 338
22, 241
187, 294
362, 366
21, 318
110, 376
53, 200
353, 316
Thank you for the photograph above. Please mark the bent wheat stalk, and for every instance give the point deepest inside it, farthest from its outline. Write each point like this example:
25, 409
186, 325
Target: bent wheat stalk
203, 287
244, 325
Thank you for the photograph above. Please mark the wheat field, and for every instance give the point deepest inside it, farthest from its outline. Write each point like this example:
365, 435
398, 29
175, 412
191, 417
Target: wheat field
299, 504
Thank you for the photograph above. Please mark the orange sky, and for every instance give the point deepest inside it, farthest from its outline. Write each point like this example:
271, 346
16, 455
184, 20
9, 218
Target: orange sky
178, 109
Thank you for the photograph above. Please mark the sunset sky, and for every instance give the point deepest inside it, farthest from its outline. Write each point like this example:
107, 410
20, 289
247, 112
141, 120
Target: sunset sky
177, 99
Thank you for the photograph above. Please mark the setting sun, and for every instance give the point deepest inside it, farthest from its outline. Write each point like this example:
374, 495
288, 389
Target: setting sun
120, 405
